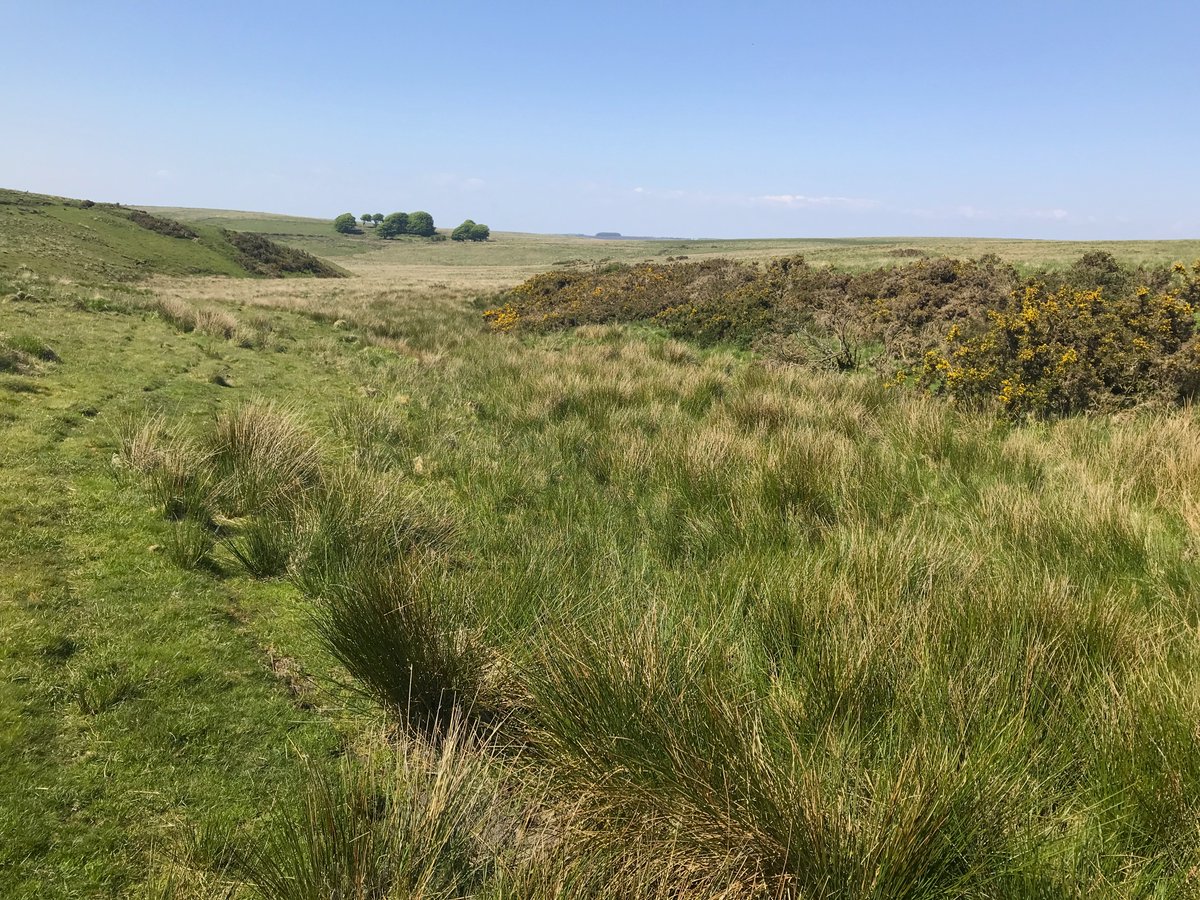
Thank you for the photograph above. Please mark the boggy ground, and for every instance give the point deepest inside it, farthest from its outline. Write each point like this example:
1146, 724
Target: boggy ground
321, 589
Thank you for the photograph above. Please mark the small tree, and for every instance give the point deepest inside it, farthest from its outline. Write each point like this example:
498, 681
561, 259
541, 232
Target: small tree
421, 222
345, 224
366, 218
470, 231
393, 225
377, 218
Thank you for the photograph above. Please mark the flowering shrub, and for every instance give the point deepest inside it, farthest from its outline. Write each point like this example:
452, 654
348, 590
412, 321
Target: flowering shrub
1055, 352
722, 300
1094, 335
706, 301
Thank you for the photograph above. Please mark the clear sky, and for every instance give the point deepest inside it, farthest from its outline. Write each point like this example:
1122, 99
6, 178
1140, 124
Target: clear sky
1056, 118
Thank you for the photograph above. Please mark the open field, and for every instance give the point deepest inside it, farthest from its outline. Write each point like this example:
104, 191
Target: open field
322, 588
527, 254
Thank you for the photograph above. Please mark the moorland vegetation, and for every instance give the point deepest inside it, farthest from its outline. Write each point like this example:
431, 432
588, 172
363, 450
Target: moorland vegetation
580, 599
1096, 335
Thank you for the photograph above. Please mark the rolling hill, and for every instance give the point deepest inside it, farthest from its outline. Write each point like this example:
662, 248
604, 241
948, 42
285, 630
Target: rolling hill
81, 240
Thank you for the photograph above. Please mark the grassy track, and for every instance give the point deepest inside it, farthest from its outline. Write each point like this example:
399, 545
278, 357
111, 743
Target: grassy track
137, 696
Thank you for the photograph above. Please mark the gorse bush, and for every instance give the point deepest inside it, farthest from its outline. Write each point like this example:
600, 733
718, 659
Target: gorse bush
259, 255
742, 303
1071, 350
1096, 335
159, 225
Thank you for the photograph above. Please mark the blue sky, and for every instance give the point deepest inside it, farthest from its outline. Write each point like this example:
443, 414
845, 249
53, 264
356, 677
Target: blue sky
1057, 119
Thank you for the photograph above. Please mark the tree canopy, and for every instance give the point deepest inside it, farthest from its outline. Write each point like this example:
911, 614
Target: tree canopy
470, 230
393, 225
346, 223
421, 222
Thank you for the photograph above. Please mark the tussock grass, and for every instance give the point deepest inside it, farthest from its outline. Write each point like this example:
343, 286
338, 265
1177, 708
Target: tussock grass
216, 323
410, 650
177, 313
24, 354
416, 826
262, 545
182, 480
265, 458
189, 544
744, 630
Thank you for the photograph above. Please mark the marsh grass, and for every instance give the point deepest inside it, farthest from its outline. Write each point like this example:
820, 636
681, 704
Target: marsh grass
414, 825
264, 457
262, 545
742, 630
189, 544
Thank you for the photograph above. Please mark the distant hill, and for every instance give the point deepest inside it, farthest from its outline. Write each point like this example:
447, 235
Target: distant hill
61, 237
617, 236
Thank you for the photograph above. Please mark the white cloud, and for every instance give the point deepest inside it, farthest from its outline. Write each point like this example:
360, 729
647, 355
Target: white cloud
803, 201
790, 201
454, 181
973, 212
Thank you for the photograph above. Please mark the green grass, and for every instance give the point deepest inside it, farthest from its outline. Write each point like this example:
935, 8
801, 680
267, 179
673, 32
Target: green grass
55, 238
138, 695
255, 222
640, 619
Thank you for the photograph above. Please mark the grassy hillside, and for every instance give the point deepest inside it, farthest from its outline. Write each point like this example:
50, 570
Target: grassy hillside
54, 238
254, 222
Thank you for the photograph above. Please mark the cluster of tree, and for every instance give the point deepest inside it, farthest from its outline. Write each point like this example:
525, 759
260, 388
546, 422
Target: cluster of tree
419, 223
398, 223
470, 231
